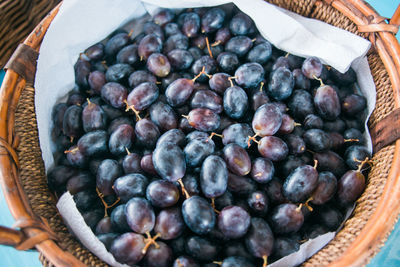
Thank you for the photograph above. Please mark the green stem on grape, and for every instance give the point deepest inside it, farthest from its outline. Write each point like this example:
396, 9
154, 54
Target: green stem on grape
150, 241
319, 79
184, 192
252, 138
265, 260
261, 87
73, 151
131, 107
208, 47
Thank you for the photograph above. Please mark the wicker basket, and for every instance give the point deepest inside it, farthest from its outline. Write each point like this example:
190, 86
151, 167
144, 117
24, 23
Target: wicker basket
40, 226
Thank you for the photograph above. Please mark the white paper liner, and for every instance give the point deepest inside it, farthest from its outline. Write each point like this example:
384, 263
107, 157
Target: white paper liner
80, 24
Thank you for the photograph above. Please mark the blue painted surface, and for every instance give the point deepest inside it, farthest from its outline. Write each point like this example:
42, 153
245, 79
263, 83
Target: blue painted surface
388, 256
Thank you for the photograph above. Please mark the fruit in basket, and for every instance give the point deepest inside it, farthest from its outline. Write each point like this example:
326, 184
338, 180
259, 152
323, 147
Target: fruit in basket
158, 139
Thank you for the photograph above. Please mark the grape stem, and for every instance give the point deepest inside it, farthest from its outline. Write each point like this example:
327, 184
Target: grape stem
253, 40
296, 124
150, 241
131, 107
319, 79
127, 151
218, 262
184, 192
104, 63
106, 206
351, 140
308, 205
261, 87
88, 101
231, 78
298, 209
208, 47
315, 164
287, 54
179, 263
214, 134
73, 151
265, 260
213, 206
130, 33
201, 73
366, 160
216, 43
252, 138
71, 139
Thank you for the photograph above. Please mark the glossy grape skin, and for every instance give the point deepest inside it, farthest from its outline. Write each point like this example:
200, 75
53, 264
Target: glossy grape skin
57, 116
346, 78
273, 148
195, 52
92, 217
163, 16
258, 202
353, 104
236, 261
169, 223
219, 82
312, 121
111, 113
249, 75
239, 45
76, 158
326, 188
295, 144
75, 99
237, 159
327, 102
185, 126
159, 65
236, 249
93, 118
206, 99
163, 116
191, 24
107, 239
240, 24
103, 226
146, 164
174, 136
300, 183
239, 185
262, 170
330, 161
267, 120
237, 133
197, 150
222, 36
233, 222
285, 218
114, 94
281, 84
209, 64
355, 154
141, 76
147, 133
353, 133
228, 62
284, 246
198, 215
317, 140
150, 44
118, 73
201, 248
82, 71
107, 172
274, 191
143, 95
169, 162
93, 143
139, 215
312, 66
95, 52
79, 182
127, 248
287, 125
171, 28
159, 257
185, 261
129, 186
212, 20
203, 119
290, 164
176, 41
260, 53
180, 59
300, 81
260, 239
131, 163
58, 176
350, 186
235, 102
116, 43
165, 82
179, 91
162, 193
128, 55
121, 139
118, 219
301, 104
213, 176
72, 122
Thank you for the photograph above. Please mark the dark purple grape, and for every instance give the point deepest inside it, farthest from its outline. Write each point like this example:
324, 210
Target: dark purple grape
236, 249
331, 218
80, 182
286, 218
118, 73
239, 185
131, 185
180, 59
93, 118
118, 219
326, 188
206, 99
58, 176
295, 144
233, 222
240, 24
76, 158
312, 68
139, 215
197, 150
267, 120
162, 193
290, 164
198, 215
287, 125
196, 135
273, 148
346, 78
191, 24
237, 159
92, 217
165, 82
131, 163
209, 65
147, 133
261, 53
274, 191
312, 121
281, 62
353, 104
350, 186
262, 170
121, 139
281, 84
128, 55
330, 161
228, 62
317, 140
260, 239
301, 104
72, 122
152, 28
107, 239
224, 200
337, 125
236, 261
150, 44
146, 164
163, 116
108, 171
212, 20
141, 76
95, 52
249, 75
222, 36
159, 65
184, 126
215, 50
237, 133
93, 143
219, 82
258, 98
337, 141
169, 223
191, 184
300, 183
82, 71
195, 52
185, 261
75, 99
258, 202
176, 41
169, 162
235, 102
174, 136
284, 246
355, 154
327, 102
171, 28
354, 135
213, 176
179, 91
300, 81
203, 119
161, 256
354, 123
201, 248
114, 94
163, 16
103, 226
127, 248
57, 117
239, 45
116, 43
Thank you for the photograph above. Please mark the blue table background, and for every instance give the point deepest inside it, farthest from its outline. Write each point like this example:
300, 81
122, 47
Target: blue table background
388, 256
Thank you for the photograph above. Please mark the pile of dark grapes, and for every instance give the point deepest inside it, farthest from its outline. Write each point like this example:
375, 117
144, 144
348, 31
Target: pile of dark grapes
198, 143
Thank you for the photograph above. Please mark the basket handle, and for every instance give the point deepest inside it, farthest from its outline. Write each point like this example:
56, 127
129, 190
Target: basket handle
395, 20
10, 237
